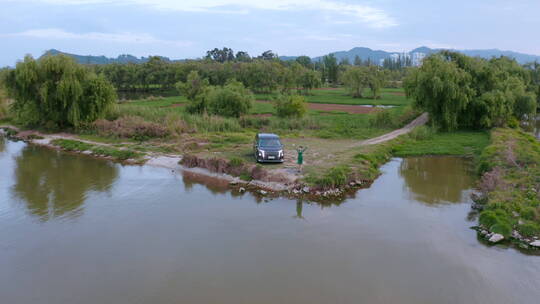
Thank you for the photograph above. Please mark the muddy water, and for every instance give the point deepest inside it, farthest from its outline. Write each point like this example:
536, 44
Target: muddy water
79, 230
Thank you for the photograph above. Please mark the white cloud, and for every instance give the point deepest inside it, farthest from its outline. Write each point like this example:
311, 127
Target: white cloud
372, 16
54, 33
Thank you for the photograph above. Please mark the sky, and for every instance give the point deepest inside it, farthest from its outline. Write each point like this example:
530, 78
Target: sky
188, 28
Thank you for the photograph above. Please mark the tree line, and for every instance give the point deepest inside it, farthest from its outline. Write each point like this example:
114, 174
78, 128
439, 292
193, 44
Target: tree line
465, 92
262, 74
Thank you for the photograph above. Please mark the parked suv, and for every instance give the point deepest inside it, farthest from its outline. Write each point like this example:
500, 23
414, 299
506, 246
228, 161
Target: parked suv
268, 148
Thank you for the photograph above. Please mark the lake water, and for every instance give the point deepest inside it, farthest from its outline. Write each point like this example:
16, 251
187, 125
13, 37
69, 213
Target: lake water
75, 229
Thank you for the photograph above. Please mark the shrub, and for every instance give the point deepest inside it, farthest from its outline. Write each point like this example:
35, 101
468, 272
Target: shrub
528, 229
231, 100
236, 162
488, 218
333, 178
290, 106
502, 228
422, 133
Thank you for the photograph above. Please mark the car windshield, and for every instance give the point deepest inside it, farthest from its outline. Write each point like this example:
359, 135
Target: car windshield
270, 142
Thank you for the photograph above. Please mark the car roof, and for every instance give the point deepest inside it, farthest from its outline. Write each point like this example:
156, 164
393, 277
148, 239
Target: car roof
267, 135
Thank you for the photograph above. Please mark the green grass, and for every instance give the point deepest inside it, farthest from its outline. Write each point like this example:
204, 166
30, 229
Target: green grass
510, 183
158, 101
75, 145
389, 96
464, 143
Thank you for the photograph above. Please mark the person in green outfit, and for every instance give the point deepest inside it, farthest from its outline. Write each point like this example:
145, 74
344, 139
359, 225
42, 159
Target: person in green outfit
300, 159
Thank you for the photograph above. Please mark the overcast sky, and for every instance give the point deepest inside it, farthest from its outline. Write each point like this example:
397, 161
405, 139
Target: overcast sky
187, 28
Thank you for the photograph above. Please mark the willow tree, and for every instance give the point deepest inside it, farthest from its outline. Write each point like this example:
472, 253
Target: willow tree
442, 89
356, 79
56, 91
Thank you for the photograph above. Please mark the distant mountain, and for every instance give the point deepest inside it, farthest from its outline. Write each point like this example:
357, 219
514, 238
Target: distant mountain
418, 53
89, 59
376, 56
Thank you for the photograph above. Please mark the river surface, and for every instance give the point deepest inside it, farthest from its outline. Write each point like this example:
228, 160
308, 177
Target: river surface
74, 229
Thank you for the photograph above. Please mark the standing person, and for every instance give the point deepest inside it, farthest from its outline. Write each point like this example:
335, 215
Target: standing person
300, 159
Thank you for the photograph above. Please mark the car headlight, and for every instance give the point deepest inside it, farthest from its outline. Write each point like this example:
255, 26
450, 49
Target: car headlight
261, 153
280, 153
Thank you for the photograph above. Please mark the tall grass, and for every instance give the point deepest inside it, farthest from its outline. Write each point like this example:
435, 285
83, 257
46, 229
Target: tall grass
178, 120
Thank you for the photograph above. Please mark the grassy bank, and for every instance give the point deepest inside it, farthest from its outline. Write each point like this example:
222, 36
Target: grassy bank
510, 184
363, 163
79, 146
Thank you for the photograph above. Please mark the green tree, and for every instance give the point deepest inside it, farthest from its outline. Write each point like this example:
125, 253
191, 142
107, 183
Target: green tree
356, 79
442, 89
290, 106
309, 80
57, 91
231, 100
193, 86
305, 61
330, 68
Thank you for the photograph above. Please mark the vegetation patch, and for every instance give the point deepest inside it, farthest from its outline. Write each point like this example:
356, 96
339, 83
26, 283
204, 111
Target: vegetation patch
79, 146
424, 141
510, 184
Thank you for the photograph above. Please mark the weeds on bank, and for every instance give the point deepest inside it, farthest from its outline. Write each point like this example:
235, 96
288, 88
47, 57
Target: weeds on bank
510, 183
79, 146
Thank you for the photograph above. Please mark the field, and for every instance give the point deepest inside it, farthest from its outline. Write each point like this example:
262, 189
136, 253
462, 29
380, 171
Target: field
333, 122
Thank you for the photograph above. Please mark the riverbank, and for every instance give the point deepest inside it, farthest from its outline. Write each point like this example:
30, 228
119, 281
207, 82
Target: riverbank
509, 199
288, 180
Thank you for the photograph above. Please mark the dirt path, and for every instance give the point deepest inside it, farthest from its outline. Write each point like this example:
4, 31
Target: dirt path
420, 120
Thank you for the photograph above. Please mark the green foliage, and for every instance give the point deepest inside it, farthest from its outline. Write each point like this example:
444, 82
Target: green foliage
525, 106
193, 89
488, 218
511, 170
503, 228
330, 69
529, 229
290, 106
236, 162
57, 90
463, 92
356, 78
333, 178
231, 100
71, 145
75, 145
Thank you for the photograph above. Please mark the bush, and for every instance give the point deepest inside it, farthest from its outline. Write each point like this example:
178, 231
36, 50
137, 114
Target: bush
231, 100
529, 229
488, 218
422, 133
290, 106
502, 228
333, 178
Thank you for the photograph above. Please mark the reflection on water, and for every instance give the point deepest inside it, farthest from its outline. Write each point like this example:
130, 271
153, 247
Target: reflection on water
152, 239
435, 180
53, 184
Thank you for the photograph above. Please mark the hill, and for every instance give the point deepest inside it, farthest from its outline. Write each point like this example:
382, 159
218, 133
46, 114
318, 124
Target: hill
379, 55
89, 59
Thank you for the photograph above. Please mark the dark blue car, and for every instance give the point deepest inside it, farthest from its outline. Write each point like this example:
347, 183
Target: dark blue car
268, 148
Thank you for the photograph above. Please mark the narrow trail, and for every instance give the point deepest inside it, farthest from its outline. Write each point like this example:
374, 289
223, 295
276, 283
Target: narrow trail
420, 120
